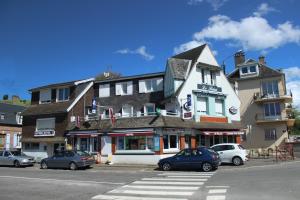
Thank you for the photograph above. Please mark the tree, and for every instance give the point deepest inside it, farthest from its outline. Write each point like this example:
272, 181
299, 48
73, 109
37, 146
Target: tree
296, 129
5, 97
107, 76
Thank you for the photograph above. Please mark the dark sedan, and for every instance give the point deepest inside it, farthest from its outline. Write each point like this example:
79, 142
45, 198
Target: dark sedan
68, 159
200, 158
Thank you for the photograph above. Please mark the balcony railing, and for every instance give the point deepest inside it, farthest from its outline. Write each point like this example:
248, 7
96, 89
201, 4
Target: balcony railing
262, 118
260, 97
212, 88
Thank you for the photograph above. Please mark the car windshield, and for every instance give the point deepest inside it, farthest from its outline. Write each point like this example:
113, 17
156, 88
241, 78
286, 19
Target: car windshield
211, 150
17, 153
82, 153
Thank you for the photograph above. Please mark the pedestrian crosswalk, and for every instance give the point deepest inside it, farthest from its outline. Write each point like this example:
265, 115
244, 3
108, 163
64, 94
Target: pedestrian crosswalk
164, 186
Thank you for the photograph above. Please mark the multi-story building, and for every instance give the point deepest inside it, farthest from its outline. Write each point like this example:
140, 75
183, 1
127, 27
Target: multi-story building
136, 119
265, 108
10, 126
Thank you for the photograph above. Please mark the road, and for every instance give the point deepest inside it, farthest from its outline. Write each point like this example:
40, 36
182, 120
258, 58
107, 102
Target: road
274, 182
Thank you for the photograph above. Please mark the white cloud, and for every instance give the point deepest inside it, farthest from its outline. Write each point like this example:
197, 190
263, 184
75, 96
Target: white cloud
187, 46
263, 9
292, 75
216, 4
250, 33
139, 51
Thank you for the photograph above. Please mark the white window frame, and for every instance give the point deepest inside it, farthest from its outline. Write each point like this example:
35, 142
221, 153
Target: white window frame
145, 109
120, 86
47, 92
44, 119
64, 94
201, 111
248, 70
219, 113
104, 90
131, 111
171, 150
146, 150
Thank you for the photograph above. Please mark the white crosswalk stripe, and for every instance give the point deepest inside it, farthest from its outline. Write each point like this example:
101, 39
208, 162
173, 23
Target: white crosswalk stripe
216, 192
165, 186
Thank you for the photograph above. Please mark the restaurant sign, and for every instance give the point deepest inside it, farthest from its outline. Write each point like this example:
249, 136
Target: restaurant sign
44, 133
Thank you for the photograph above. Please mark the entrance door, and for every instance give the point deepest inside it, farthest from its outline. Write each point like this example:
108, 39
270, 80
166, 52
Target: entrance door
188, 142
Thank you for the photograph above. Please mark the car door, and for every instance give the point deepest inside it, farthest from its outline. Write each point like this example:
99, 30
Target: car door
1, 158
228, 152
7, 158
56, 160
196, 159
182, 160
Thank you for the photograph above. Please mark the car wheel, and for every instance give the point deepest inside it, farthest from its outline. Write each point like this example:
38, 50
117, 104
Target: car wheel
206, 167
237, 161
166, 166
72, 166
44, 165
17, 163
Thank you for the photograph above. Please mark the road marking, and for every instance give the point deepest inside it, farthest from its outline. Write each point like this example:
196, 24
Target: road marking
218, 186
59, 180
167, 183
186, 173
172, 179
161, 187
152, 192
113, 197
217, 191
220, 197
184, 176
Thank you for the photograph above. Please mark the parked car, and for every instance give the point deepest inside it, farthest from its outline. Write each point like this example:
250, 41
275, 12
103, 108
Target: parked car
231, 153
68, 159
15, 158
199, 158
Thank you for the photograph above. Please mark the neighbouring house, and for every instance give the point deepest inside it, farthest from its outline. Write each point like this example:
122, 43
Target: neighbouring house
265, 102
140, 119
10, 126
46, 119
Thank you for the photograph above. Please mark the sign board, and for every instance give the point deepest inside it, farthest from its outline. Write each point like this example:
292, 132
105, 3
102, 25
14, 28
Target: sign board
44, 133
94, 106
233, 110
187, 115
156, 143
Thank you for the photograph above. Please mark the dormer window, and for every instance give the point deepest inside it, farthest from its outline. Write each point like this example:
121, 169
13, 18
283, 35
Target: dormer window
249, 70
63, 94
252, 69
45, 96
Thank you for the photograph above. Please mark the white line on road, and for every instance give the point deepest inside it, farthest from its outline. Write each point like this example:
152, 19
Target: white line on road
112, 197
186, 173
167, 183
184, 176
162, 187
173, 179
220, 197
152, 192
59, 180
217, 191
218, 186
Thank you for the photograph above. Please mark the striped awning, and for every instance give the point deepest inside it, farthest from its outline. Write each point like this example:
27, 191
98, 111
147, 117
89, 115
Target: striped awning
223, 132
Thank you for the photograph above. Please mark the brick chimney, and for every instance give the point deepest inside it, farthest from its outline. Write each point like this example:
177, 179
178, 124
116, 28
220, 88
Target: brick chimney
239, 57
261, 60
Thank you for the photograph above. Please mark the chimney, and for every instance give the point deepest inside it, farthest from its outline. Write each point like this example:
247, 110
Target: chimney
261, 60
239, 58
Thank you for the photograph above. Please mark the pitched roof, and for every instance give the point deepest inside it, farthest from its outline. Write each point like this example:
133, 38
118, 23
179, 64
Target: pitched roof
179, 67
191, 54
54, 108
10, 111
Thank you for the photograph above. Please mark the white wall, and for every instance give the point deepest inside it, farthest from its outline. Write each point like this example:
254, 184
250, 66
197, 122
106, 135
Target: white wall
139, 159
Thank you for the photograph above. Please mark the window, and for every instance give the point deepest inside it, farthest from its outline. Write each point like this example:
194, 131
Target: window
19, 118
149, 109
84, 144
6, 154
45, 124
245, 70
124, 88
272, 109
127, 111
2, 116
135, 143
45, 96
252, 69
203, 75
170, 141
150, 85
219, 107
104, 90
213, 78
32, 146
202, 105
270, 89
270, 134
63, 94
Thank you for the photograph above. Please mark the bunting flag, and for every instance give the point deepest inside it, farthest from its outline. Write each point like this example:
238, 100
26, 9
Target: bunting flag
78, 121
112, 116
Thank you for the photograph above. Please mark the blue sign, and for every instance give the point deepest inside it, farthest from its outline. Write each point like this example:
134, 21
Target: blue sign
189, 100
156, 143
94, 106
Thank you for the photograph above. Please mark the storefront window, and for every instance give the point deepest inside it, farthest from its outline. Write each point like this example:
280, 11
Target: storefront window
150, 143
135, 143
170, 141
83, 144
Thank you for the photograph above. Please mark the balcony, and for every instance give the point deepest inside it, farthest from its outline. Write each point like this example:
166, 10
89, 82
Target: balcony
261, 98
283, 118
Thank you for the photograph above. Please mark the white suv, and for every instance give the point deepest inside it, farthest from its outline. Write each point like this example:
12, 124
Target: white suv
231, 153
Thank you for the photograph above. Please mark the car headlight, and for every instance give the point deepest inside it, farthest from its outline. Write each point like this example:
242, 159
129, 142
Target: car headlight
25, 160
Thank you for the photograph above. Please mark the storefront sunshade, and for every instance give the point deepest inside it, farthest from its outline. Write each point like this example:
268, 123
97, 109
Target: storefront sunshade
142, 133
223, 133
83, 133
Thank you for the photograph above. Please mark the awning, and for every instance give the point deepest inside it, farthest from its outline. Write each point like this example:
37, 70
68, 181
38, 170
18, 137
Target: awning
83, 133
43, 139
223, 132
144, 133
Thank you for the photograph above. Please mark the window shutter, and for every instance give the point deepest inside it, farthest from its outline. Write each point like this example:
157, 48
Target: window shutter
45, 95
118, 89
129, 87
15, 140
202, 104
104, 90
7, 142
219, 106
142, 86
159, 83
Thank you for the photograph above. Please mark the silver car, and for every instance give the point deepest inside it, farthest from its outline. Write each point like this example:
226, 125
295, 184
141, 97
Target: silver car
15, 158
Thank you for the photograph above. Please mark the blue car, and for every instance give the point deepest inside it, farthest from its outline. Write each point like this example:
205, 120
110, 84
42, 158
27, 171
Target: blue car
200, 158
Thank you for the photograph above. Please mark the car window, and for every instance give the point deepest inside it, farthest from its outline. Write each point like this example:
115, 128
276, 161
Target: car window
218, 148
196, 152
1, 153
59, 154
228, 147
241, 147
83, 153
69, 154
6, 154
18, 153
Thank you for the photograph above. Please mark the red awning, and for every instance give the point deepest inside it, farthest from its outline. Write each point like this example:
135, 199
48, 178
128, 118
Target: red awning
223, 133
144, 133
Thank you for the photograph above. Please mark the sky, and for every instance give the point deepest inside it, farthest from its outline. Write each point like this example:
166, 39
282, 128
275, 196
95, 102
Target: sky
51, 41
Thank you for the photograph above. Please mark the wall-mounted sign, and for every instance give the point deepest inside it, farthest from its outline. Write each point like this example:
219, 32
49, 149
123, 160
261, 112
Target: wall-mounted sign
233, 110
187, 115
44, 133
94, 106
187, 105
156, 142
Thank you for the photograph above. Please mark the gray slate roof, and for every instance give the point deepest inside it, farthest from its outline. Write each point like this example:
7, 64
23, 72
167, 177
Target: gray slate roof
10, 112
191, 54
179, 67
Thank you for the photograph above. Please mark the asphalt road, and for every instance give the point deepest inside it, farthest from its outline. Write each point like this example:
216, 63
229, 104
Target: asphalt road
279, 181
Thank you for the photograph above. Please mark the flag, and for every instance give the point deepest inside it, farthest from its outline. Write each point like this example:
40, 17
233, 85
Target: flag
78, 122
112, 116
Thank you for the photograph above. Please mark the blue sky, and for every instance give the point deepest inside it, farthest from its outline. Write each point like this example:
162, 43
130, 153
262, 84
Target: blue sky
43, 42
